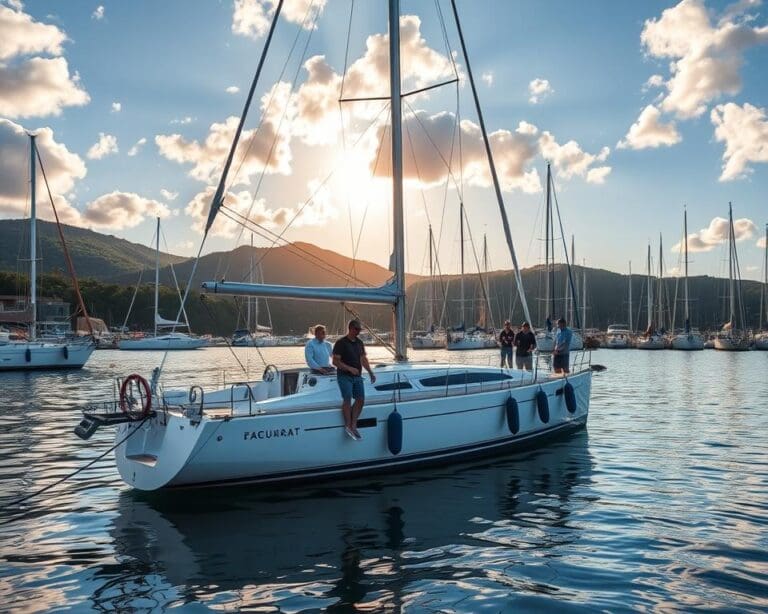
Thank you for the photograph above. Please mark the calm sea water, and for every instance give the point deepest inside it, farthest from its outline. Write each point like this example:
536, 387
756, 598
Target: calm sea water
661, 504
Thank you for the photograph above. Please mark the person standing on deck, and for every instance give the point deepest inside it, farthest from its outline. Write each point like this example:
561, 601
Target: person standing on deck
350, 359
318, 352
560, 355
525, 343
507, 342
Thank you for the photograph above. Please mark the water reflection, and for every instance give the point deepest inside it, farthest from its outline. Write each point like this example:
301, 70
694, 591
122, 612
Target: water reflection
348, 545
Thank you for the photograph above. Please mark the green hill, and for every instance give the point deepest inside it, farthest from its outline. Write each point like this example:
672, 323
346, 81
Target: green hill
96, 255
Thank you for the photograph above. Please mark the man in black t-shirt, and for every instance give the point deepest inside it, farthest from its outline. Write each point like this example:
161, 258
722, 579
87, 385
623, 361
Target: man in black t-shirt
507, 342
525, 343
350, 359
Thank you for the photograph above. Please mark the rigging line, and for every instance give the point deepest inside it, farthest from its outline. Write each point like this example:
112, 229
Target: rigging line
292, 247
343, 131
74, 473
427, 88
176, 281
444, 30
346, 50
355, 314
65, 249
492, 167
321, 185
477, 261
133, 299
204, 302
278, 129
567, 261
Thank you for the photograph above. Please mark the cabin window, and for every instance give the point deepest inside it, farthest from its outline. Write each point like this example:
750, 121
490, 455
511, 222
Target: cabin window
394, 386
460, 379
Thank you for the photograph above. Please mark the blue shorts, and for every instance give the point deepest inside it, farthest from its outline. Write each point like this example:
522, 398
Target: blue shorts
560, 361
351, 387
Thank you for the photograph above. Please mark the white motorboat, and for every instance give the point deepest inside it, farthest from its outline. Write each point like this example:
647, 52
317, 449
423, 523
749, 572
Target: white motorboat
158, 340
689, 339
57, 352
289, 427
761, 341
733, 337
618, 337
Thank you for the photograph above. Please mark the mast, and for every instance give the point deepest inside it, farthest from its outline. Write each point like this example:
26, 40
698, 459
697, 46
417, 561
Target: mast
685, 287
570, 292
650, 291
631, 325
431, 285
401, 347
483, 284
250, 280
32, 237
583, 294
550, 271
764, 295
461, 241
661, 288
731, 282
157, 272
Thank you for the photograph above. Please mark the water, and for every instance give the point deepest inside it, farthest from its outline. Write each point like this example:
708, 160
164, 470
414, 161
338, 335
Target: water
661, 504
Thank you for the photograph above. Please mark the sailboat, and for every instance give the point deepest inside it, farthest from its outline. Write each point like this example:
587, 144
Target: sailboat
652, 339
619, 336
733, 337
160, 340
761, 338
432, 337
689, 339
35, 352
461, 337
256, 335
545, 339
288, 427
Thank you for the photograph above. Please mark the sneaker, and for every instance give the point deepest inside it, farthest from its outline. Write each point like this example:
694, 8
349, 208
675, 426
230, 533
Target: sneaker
358, 436
350, 432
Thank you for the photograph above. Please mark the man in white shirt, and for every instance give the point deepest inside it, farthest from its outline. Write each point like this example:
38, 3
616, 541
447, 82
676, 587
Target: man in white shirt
318, 352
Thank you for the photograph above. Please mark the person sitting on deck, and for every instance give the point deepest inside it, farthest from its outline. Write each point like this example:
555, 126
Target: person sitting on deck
317, 353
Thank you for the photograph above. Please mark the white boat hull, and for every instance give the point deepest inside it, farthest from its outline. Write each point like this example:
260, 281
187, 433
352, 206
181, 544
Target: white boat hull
428, 342
761, 342
473, 342
163, 343
545, 342
285, 446
732, 344
690, 342
26, 355
654, 342
616, 343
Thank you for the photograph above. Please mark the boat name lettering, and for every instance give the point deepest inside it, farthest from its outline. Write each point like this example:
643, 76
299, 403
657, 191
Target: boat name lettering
272, 433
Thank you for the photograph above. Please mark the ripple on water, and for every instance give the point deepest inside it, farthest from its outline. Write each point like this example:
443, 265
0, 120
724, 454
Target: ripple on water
661, 506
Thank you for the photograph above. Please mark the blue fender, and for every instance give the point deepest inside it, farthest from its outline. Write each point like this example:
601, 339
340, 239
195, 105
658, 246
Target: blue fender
570, 397
513, 415
65, 350
542, 404
28, 355
395, 432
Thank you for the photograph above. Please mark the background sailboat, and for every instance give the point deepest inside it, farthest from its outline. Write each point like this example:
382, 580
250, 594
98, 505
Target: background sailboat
688, 339
761, 338
652, 339
432, 336
47, 352
160, 340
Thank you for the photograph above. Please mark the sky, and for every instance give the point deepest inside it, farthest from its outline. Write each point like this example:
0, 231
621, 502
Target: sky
641, 108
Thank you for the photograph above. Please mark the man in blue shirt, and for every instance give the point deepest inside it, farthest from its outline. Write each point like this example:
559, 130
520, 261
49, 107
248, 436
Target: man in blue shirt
317, 353
560, 359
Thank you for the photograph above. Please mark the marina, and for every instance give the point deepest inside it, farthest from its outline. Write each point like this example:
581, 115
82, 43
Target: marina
316, 336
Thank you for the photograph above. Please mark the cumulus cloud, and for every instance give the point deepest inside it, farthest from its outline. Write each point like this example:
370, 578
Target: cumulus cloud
232, 89
654, 81
705, 59
20, 34
34, 86
38, 87
62, 167
168, 195
316, 212
137, 146
183, 120
252, 17
487, 77
105, 146
570, 160
709, 238
649, 131
119, 210
538, 90
117, 107
744, 130
98, 13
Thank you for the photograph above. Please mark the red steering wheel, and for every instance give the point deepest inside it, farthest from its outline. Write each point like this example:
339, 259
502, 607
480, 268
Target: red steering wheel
146, 398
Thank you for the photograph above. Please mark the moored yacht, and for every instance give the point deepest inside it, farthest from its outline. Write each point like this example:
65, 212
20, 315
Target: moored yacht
652, 339
288, 427
689, 339
617, 337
